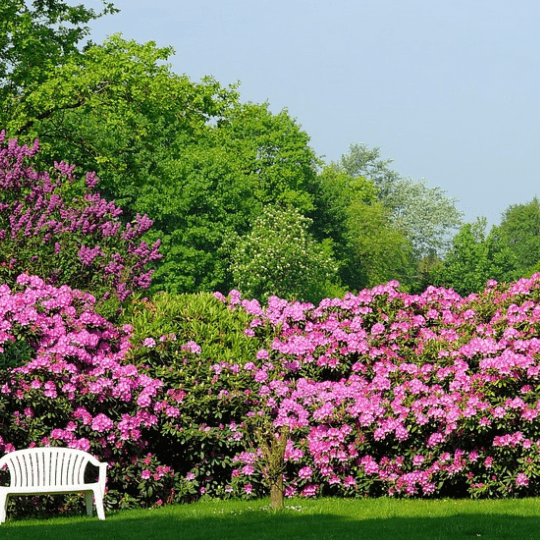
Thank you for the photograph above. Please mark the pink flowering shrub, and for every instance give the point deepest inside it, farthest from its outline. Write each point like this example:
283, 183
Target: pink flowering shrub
388, 393
76, 389
377, 393
54, 227
380, 393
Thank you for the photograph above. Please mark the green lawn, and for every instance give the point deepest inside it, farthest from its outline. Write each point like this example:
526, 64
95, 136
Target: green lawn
323, 519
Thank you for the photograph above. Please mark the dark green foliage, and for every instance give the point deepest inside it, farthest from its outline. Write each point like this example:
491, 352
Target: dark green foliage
520, 229
370, 249
474, 259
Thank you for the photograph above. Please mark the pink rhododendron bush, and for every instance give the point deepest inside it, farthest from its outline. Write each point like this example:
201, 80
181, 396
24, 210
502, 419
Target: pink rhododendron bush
381, 393
64, 381
387, 393
378, 393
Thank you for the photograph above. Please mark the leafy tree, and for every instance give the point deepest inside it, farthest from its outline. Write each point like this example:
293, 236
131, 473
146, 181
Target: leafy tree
107, 107
333, 192
474, 259
371, 249
274, 153
193, 158
125, 116
520, 228
279, 257
380, 252
364, 161
219, 183
425, 215
134, 126
35, 38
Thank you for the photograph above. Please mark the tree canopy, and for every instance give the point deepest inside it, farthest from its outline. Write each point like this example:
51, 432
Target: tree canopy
279, 257
520, 229
424, 214
202, 164
35, 38
474, 259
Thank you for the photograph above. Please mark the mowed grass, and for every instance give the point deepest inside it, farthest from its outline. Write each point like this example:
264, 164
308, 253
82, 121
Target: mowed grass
323, 519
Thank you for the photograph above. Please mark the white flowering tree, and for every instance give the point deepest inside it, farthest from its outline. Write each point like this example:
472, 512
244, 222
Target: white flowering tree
279, 257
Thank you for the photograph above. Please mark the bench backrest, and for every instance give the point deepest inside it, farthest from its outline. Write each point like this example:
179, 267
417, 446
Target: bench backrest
47, 467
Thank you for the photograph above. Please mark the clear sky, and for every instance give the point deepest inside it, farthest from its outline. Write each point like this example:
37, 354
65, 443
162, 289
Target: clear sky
449, 89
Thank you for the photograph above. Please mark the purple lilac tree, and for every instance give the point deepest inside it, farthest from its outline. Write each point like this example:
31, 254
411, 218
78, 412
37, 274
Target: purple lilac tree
57, 227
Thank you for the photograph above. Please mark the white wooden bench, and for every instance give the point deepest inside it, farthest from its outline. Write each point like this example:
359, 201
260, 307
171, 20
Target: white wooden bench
48, 471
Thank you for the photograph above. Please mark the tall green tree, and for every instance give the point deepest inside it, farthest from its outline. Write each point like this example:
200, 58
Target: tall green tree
192, 157
370, 248
474, 259
520, 228
280, 257
35, 38
378, 250
427, 216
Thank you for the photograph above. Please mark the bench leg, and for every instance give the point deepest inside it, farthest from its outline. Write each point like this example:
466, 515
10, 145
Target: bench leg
98, 497
88, 501
3, 506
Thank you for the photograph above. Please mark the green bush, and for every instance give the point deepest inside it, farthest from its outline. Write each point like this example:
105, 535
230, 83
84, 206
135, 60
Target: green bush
167, 332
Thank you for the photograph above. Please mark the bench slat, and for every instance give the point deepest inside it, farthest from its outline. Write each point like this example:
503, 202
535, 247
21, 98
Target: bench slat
46, 469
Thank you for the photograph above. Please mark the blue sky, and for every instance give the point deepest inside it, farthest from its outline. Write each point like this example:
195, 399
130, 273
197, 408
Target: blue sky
449, 89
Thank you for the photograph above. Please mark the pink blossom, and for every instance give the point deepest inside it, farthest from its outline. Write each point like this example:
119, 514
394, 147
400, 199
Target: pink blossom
305, 473
522, 480
310, 491
102, 423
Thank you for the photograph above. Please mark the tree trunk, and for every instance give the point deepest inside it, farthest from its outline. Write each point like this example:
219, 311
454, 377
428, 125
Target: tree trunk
276, 494
273, 446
